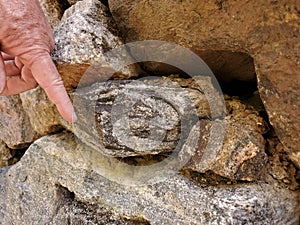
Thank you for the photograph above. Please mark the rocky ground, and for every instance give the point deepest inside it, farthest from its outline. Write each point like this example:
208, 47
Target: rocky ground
107, 170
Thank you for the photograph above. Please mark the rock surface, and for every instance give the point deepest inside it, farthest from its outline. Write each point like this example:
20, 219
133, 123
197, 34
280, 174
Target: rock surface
242, 155
7, 156
16, 130
129, 118
65, 185
86, 32
42, 113
269, 34
53, 10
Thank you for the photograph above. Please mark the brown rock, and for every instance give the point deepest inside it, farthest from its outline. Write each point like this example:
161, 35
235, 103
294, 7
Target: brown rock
42, 113
242, 156
269, 34
16, 130
53, 10
7, 156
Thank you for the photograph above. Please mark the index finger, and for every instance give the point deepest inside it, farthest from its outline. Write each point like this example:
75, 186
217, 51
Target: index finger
47, 76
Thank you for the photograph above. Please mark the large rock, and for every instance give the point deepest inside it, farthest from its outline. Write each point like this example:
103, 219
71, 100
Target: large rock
86, 32
16, 130
65, 186
134, 118
269, 34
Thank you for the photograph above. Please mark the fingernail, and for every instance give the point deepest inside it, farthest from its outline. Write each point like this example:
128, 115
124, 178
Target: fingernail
74, 117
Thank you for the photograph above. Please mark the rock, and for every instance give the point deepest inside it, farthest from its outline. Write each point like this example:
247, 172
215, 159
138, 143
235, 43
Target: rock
42, 113
7, 156
134, 118
65, 185
270, 35
86, 32
53, 10
16, 130
72, 2
242, 156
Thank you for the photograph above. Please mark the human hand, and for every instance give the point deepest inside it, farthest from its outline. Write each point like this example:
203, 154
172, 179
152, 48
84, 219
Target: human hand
26, 41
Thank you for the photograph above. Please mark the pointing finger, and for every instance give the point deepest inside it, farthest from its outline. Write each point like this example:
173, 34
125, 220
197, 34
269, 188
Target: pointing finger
45, 73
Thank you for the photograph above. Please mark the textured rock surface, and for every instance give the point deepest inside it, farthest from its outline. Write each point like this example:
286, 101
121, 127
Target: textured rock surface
86, 32
16, 130
64, 184
270, 34
7, 156
242, 156
131, 118
53, 10
43, 115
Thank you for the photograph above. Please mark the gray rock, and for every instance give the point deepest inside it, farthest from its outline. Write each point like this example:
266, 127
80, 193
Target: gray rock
66, 182
86, 32
130, 118
16, 130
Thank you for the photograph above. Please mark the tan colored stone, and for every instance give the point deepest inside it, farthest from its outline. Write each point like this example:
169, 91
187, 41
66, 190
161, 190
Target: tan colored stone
7, 156
16, 130
59, 182
242, 156
266, 30
42, 113
53, 10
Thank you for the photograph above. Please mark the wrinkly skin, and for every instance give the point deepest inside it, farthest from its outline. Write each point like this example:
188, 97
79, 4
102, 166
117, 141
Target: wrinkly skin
26, 41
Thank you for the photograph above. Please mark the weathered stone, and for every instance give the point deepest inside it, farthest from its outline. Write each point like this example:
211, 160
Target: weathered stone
53, 10
269, 34
65, 179
42, 113
86, 32
16, 130
129, 118
7, 156
72, 2
242, 156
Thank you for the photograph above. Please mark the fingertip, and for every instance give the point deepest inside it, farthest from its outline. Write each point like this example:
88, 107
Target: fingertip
67, 111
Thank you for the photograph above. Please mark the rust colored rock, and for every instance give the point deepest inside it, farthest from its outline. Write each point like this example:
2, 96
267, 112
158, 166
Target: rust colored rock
269, 31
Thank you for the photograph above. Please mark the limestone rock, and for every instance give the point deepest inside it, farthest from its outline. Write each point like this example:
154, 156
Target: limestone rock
269, 34
86, 32
130, 118
16, 130
42, 113
64, 183
242, 155
53, 10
